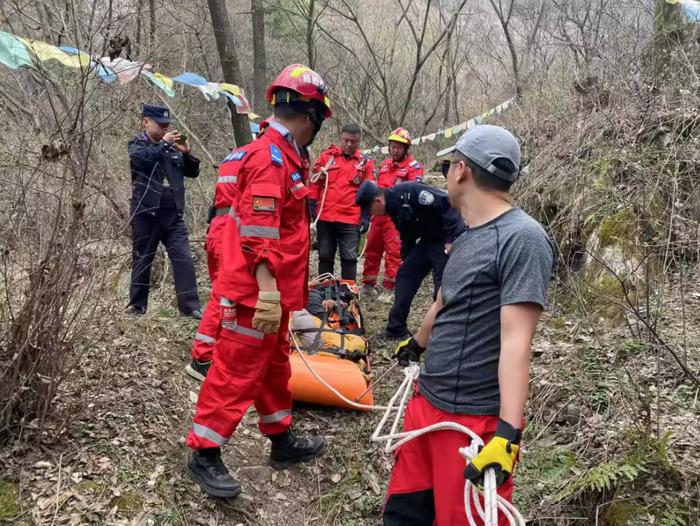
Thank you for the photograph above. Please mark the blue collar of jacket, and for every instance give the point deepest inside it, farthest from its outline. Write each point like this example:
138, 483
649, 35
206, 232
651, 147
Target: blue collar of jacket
284, 132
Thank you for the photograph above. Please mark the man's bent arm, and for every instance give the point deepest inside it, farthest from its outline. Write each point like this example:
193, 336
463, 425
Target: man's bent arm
266, 280
421, 337
518, 324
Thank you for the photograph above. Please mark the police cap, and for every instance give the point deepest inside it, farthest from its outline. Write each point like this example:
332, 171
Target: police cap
158, 113
366, 194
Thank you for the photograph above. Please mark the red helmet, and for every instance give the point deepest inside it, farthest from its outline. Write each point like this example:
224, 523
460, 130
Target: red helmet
401, 135
304, 81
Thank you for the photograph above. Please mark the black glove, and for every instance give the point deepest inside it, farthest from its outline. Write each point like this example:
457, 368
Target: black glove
365, 217
313, 208
408, 351
211, 214
364, 225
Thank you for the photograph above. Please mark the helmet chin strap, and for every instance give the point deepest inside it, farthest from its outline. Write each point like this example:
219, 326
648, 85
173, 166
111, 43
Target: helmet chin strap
317, 121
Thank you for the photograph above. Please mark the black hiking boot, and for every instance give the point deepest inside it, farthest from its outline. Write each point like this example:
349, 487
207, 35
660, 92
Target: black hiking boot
207, 469
198, 370
288, 449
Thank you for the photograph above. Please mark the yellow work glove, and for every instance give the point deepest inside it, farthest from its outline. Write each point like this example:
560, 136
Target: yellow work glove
499, 453
408, 351
268, 312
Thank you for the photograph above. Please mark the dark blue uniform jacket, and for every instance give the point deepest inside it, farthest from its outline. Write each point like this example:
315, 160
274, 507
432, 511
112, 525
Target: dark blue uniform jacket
422, 214
152, 164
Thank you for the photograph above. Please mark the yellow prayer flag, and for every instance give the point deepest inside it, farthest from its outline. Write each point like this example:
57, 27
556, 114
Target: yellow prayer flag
448, 133
231, 88
44, 51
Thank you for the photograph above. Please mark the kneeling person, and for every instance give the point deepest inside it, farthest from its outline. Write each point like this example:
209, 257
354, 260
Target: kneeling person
427, 225
478, 336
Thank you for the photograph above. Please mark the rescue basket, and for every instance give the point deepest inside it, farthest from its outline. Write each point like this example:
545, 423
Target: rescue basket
333, 348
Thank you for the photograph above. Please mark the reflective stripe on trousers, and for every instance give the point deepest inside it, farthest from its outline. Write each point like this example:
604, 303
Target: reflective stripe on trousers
204, 338
209, 434
275, 417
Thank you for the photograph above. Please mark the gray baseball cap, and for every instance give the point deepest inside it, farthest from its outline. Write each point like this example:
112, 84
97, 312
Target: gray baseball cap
484, 144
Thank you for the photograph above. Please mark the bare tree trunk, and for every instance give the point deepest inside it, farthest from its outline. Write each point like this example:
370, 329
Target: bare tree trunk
152, 29
310, 22
259, 60
139, 14
229, 64
504, 15
669, 40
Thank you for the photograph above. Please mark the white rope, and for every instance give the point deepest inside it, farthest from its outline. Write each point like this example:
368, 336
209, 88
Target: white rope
364, 248
329, 386
314, 178
493, 503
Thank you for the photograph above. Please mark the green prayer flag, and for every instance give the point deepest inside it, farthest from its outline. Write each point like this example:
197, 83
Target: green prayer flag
13, 53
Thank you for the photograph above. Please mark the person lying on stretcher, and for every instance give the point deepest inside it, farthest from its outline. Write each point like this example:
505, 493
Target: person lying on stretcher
327, 306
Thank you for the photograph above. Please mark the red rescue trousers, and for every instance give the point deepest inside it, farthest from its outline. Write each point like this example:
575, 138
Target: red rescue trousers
207, 331
249, 367
427, 482
383, 239
209, 325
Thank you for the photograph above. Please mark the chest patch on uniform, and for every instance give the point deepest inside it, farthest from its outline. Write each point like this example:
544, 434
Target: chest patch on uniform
426, 198
276, 155
296, 177
235, 156
263, 204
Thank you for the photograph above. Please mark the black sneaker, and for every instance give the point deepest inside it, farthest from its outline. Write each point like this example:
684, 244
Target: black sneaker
198, 370
136, 310
391, 337
288, 449
206, 468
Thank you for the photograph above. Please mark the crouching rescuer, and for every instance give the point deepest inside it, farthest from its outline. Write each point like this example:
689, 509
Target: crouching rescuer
476, 338
263, 276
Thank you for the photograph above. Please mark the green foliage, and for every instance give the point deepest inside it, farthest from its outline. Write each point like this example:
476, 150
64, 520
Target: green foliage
673, 512
608, 476
542, 467
9, 500
622, 512
618, 229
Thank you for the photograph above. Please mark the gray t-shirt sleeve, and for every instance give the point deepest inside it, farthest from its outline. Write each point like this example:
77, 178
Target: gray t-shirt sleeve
525, 264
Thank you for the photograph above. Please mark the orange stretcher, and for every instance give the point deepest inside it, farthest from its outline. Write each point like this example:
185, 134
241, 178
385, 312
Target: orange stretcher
335, 350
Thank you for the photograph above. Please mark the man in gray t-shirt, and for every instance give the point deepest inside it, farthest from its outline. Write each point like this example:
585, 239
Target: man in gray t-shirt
478, 336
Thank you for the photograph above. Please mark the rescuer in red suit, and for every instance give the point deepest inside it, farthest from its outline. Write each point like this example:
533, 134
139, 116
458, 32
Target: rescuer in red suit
263, 276
210, 325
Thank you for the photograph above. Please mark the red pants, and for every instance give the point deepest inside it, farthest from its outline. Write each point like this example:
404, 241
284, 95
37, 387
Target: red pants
249, 368
212, 245
427, 482
208, 329
383, 239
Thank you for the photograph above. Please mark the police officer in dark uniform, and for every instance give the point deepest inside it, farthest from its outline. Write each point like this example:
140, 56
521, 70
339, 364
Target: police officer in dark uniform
427, 224
160, 160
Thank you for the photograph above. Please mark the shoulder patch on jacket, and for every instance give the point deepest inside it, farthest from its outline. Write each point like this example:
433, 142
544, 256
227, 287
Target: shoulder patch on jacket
426, 198
235, 155
276, 155
415, 164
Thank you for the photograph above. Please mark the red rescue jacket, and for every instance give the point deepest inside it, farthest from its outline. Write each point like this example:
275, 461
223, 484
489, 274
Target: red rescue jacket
269, 221
345, 175
391, 173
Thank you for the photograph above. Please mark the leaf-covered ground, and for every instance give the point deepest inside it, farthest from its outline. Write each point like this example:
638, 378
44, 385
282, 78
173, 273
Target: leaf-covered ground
115, 453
